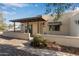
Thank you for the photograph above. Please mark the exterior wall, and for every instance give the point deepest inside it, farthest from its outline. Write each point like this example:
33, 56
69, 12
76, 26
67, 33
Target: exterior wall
63, 40
41, 27
74, 29
35, 28
64, 28
17, 35
68, 26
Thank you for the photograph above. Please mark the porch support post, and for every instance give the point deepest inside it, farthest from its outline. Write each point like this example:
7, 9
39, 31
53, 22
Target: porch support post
14, 26
27, 27
38, 27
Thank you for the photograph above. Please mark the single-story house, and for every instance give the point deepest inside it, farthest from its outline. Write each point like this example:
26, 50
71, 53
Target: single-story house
68, 24
65, 31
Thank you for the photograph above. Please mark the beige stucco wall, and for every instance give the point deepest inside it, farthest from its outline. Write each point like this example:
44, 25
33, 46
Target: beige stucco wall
34, 27
74, 29
64, 28
63, 40
68, 26
17, 35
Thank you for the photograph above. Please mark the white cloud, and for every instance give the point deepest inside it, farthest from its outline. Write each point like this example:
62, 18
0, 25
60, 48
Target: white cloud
8, 13
17, 4
4, 7
13, 8
7, 7
77, 8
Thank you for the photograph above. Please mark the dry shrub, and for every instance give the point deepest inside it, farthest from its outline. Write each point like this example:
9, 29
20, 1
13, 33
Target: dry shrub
38, 41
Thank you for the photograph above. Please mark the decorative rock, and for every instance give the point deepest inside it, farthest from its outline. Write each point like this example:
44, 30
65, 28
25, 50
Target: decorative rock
44, 52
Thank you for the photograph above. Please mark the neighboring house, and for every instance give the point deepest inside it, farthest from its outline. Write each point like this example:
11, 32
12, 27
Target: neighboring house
68, 24
65, 31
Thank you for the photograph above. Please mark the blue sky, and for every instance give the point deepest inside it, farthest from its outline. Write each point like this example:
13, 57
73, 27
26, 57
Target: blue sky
22, 10
15, 11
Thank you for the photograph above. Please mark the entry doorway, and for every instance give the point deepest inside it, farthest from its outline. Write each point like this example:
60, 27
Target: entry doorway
29, 28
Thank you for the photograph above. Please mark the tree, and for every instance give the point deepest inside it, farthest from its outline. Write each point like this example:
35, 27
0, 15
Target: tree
10, 26
58, 9
2, 23
2, 27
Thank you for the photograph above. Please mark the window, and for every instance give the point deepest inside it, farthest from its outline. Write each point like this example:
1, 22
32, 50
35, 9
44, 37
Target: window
54, 27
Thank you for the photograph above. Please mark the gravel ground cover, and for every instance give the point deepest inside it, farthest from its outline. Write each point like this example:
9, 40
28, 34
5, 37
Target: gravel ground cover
16, 47
45, 52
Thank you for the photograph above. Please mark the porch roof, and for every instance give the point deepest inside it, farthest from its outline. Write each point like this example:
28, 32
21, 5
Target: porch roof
30, 19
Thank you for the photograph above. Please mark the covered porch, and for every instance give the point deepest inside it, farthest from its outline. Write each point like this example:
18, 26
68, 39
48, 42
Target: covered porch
29, 27
32, 25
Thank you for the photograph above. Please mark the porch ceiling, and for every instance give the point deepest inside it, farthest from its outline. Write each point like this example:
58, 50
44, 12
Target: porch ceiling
30, 19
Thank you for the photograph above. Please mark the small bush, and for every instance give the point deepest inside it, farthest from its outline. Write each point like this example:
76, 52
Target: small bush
38, 41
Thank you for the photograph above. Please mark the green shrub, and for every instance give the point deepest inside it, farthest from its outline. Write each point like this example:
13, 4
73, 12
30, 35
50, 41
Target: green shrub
39, 42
